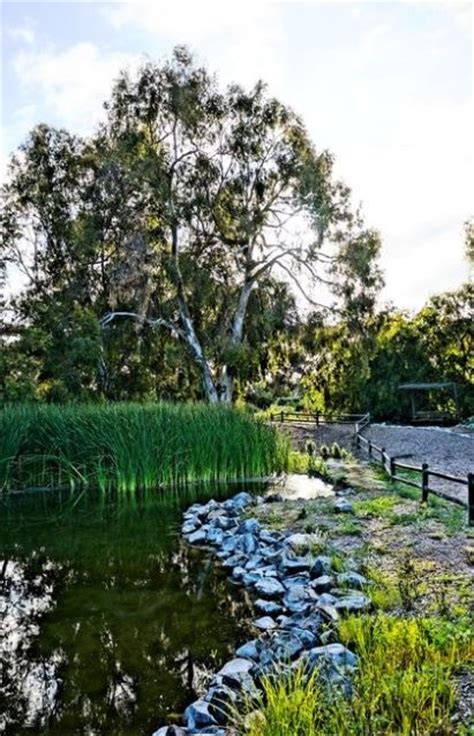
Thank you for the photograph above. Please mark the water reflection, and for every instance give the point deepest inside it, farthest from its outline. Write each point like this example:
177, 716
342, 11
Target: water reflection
109, 624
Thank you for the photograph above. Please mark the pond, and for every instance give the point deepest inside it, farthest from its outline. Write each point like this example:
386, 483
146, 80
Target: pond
109, 623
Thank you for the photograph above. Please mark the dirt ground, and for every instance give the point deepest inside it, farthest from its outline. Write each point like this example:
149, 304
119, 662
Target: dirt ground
449, 451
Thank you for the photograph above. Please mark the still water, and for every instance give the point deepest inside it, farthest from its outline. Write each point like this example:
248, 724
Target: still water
109, 623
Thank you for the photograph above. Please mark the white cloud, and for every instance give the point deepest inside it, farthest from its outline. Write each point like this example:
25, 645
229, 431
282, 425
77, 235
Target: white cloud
182, 20
22, 34
70, 85
405, 150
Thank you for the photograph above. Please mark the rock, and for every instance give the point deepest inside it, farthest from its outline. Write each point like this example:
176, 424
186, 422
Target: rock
297, 605
343, 506
273, 498
242, 681
351, 579
219, 699
311, 622
254, 563
322, 566
323, 584
269, 537
295, 564
268, 607
233, 561
307, 638
250, 578
238, 573
198, 537
215, 536
249, 650
353, 604
302, 542
327, 599
249, 525
296, 580
237, 665
197, 715
198, 510
230, 543
328, 612
286, 646
265, 623
269, 588
241, 500
224, 523
171, 731
336, 654
345, 492
248, 543
189, 527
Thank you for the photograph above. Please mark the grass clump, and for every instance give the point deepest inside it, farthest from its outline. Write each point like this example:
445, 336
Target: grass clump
403, 684
306, 464
378, 507
130, 446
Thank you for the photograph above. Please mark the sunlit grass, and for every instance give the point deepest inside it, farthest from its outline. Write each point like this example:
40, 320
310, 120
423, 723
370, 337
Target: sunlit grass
403, 684
127, 446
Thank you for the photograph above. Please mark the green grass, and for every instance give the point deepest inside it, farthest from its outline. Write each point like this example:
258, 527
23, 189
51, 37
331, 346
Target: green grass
403, 684
378, 507
128, 446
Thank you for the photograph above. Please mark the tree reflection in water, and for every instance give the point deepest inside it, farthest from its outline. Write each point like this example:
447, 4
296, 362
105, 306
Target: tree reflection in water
109, 623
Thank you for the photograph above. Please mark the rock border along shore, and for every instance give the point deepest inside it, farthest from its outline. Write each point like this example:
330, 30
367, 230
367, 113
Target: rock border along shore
298, 596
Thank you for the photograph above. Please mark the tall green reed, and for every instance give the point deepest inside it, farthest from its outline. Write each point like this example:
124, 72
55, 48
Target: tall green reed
130, 446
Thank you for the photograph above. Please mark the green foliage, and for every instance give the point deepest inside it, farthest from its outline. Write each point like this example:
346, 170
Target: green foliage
403, 684
158, 223
131, 446
378, 507
302, 463
362, 362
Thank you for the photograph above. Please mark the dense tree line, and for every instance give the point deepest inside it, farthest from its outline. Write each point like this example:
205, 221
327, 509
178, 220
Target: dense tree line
166, 255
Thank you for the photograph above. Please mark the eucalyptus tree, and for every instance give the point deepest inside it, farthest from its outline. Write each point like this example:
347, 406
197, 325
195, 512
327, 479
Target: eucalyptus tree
189, 214
228, 191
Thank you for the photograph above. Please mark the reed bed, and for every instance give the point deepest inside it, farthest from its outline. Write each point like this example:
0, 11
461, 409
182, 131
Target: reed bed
130, 446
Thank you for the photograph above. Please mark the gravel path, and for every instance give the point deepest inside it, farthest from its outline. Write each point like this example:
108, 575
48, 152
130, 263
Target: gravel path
443, 450
451, 451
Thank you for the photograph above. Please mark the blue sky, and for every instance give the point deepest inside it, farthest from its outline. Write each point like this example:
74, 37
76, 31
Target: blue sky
387, 87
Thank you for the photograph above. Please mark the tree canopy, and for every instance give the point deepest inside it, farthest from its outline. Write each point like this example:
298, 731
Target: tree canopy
168, 254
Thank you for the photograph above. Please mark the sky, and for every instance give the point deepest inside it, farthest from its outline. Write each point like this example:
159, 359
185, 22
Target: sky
385, 86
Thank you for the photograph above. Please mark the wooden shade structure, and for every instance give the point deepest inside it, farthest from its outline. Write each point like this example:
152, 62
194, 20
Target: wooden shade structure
420, 416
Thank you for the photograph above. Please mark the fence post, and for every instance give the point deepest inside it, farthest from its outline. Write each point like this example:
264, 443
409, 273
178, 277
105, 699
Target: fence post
470, 498
382, 457
281, 416
369, 449
317, 418
424, 483
392, 467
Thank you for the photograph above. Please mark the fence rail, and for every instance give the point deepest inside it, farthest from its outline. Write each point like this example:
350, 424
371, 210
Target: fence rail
315, 417
390, 465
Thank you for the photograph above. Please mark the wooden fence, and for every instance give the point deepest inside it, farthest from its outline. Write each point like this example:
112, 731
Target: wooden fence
392, 464
318, 419
380, 455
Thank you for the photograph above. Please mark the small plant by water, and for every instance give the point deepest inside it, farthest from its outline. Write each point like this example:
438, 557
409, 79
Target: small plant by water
130, 446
